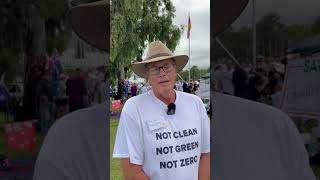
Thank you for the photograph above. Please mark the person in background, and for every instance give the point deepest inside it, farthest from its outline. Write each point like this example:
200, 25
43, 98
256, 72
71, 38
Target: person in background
45, 101
134, 89
239, 80
104, 89
121, 91
76, 90
56, 70
185, 87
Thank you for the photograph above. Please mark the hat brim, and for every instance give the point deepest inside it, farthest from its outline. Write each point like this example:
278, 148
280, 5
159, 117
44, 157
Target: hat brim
91, 22
225, 12
140, 70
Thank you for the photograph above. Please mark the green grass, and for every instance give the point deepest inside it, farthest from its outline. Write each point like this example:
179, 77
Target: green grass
115, 164
316, 170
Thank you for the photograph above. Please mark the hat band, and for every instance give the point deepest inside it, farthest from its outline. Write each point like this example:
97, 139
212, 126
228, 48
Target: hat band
158, 55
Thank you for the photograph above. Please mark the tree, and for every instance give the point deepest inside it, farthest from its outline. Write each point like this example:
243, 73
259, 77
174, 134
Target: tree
134, 23
269, 29
194, 73
184, 75
273, 38
30, 29
12, 34
10, 65
315, 28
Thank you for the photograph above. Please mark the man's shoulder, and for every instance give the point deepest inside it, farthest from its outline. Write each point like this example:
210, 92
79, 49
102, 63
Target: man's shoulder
87, 118
255, 133
79, 129
188, 96
251, 110
138, 99
80, 137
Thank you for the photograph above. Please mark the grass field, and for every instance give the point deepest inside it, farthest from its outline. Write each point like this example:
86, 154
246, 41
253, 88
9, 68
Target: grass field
316, 171
115, 166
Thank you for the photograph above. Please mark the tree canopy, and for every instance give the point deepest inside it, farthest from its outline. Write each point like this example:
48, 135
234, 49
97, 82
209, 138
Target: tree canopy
195, 73
134, 23
16, 19
273, 38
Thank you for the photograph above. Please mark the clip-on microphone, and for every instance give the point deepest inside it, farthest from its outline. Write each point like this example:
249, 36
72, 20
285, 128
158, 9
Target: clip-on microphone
171, 109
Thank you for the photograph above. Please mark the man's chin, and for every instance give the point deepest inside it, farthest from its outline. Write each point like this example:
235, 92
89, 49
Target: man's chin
166, 86
165, 91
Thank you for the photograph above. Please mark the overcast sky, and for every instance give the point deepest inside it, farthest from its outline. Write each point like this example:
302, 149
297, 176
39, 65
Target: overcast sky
200, 31
291, 11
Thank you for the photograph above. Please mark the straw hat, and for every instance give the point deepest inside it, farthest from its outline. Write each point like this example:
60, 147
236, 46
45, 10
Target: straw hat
225, 12
157, 51
91, 22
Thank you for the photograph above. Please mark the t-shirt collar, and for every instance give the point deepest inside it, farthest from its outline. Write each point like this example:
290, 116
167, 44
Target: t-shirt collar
162, 104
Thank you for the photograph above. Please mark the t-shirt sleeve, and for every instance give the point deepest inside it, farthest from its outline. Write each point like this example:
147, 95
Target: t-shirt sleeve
297, 156
120, 147
51, 162
205, 133
129, 139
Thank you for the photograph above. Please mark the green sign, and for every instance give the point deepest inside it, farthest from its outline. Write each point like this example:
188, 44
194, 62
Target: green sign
312, 65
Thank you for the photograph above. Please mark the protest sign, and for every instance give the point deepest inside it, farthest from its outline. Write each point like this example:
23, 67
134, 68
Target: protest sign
301, 91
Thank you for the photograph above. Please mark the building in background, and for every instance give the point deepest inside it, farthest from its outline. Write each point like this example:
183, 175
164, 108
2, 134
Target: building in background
81, 55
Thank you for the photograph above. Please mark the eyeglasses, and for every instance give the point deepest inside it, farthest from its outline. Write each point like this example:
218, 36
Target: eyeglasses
166, 68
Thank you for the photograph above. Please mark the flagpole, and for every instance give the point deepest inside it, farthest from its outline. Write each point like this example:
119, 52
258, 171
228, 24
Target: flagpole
189, 51
254, 35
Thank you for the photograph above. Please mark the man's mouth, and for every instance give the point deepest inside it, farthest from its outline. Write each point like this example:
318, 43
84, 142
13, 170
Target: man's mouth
163, 82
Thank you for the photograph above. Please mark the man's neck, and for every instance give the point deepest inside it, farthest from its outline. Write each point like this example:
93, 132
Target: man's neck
167, 98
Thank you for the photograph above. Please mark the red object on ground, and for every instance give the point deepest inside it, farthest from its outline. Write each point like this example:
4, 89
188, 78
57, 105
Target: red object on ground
21, 135
116, 105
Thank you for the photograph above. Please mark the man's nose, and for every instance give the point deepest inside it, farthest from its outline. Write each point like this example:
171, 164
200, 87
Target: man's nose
162, 72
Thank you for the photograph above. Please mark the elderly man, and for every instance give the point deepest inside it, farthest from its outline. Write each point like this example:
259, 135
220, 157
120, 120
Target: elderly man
163, 134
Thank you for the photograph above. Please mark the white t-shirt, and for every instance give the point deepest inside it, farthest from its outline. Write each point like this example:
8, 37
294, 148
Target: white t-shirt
144, 89
255, 141
167, 146
76, 147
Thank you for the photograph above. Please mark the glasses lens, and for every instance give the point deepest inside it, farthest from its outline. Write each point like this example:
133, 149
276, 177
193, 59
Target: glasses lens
165, 68
154, 70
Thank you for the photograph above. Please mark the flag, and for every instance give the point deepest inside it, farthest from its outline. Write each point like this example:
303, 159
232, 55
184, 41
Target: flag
189, 27
21, 135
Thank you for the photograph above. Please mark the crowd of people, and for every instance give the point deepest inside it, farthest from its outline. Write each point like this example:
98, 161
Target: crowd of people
263, 83
51, 91
126, 89
75, 90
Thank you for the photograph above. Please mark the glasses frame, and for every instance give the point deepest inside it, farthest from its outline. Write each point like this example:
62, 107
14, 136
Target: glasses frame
157, 72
